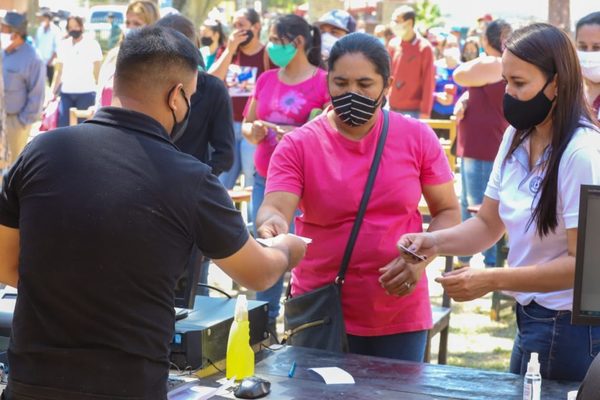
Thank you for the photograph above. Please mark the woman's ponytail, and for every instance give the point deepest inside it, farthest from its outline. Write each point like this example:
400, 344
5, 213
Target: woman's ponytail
314, 53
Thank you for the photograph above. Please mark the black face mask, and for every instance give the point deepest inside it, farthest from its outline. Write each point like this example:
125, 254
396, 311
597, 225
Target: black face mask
206, 41
355, 109
248, 39
527, 114
75, 34
179, 127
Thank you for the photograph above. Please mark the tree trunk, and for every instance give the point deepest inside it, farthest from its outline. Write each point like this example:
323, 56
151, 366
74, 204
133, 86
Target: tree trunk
197, 10
559, 14
33, 6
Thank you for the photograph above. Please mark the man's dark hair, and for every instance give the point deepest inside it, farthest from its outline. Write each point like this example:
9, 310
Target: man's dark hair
407, 13
154, 54
182, 25
77, 20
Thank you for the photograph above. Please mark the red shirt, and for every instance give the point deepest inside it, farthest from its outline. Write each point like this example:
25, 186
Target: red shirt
414, 76
328, 172
242, 74
480, 131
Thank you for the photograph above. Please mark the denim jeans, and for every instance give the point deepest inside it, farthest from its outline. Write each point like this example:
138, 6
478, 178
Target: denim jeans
565, 350
81, 101
408, 346
410, 113
475, 175
243, 160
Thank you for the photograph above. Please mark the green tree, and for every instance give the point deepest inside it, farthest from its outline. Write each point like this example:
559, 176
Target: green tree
429, 15
196, 10
33, 6
285, 6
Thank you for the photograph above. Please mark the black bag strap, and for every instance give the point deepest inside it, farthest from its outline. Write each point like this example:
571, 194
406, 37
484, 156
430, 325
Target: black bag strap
364, 201
362, 208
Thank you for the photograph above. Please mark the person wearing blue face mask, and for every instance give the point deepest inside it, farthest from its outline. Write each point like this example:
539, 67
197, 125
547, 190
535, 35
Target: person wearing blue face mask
551, 148
23, 73
284, 98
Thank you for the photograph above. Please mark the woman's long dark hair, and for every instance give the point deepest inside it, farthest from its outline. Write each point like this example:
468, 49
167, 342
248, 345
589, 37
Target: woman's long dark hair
551, 50
291, 26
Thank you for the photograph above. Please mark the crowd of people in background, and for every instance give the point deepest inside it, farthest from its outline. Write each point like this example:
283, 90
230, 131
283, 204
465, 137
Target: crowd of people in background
295, 118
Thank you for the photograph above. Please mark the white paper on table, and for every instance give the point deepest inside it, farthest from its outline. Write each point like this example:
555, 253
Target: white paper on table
268, 242
334, 375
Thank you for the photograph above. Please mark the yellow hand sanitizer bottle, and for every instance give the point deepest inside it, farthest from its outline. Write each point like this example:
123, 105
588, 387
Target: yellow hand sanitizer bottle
240, 357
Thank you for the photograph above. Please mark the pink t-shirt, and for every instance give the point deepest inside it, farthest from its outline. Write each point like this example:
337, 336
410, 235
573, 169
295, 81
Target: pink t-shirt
284, 104
329, 172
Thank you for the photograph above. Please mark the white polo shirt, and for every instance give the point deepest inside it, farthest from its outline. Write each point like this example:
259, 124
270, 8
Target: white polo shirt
515, 186
78, 64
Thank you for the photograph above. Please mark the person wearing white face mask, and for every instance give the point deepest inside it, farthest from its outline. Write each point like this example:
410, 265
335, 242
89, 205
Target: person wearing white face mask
24, 75
412, 67
587, 36
333, 25
447, 92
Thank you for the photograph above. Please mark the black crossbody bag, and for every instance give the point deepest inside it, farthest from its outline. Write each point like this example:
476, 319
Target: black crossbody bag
315, 319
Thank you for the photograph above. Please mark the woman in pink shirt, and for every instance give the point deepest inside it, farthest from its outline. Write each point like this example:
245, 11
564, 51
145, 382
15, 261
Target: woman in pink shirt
283, 99
322, 168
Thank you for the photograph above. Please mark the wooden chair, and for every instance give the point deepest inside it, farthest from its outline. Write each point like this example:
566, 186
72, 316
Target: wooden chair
441, 323
241, 199
451, 126
76, 114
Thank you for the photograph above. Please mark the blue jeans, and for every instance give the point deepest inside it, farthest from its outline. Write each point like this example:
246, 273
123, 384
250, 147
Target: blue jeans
411, 113
475, 175
243, 160
81, 101
273, 294
565, 351
408, 346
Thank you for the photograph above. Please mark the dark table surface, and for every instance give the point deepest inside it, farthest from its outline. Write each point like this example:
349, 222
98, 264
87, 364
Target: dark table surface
379, 378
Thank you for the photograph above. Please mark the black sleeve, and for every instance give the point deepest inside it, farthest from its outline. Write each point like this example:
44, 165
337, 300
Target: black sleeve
220, 230
9, 199
220, 128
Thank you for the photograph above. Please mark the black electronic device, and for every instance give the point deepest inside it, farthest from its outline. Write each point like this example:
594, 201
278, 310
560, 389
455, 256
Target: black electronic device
253, 388
186, 285
586, 293
201, 338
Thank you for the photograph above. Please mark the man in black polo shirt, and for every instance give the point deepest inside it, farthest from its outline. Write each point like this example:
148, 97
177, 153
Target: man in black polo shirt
97, 221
